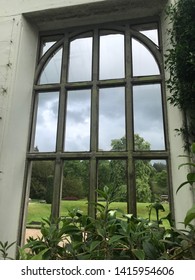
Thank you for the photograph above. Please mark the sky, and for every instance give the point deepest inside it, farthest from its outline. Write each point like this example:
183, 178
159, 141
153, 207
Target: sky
146, 99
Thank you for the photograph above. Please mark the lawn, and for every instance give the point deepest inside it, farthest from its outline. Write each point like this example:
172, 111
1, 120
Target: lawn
37, 210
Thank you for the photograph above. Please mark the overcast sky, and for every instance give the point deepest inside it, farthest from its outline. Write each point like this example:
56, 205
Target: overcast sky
146, 99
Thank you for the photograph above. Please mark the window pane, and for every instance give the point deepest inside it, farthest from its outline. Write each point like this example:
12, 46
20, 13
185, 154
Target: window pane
111, 117
46, 46
148, 117
46, 123
112, 175
40, 197
143, 61
151, 188
51, 73
80, 60
75, 187
77, 136
152, 35
112, 56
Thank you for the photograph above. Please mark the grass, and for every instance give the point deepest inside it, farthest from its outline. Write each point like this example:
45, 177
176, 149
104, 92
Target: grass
37, 210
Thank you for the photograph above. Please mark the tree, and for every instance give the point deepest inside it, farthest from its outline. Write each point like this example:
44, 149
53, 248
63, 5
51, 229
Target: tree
40, 172
143, 168
76, 178
160, 180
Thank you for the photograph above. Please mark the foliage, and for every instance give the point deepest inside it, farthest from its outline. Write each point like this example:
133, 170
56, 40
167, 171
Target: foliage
112, 235
191, 164
143, 169
49, 189
106, 237
183, 246
190, 180
4, 247
112, 172
180, 61
40, 172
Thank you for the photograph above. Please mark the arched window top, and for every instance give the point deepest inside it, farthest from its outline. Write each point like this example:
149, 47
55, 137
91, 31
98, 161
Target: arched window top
51, 72
110, 56
144, 62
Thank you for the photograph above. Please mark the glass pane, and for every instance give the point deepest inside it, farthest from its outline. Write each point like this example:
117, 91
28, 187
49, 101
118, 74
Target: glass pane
112, 175
46, 46
144, 63
111, 118
51, 73
77, 136
152, 35
152, 188
40, 198
112, 56
75, 187
80, 60
148, 118
46, 122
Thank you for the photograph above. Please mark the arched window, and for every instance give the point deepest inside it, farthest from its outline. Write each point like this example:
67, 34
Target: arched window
98, 119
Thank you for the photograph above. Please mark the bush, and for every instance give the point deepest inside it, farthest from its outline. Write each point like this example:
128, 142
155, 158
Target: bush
108, 237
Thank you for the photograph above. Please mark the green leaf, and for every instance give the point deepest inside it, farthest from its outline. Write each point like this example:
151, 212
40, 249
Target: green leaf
114, 239
188, 164
190, 215
158, 206
40, 255
10, 245
150, 250
191, 178
140, 254
193, 148
183, 184
94, 245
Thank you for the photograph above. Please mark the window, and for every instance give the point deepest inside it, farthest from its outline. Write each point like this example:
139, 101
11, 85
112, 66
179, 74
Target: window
99, 118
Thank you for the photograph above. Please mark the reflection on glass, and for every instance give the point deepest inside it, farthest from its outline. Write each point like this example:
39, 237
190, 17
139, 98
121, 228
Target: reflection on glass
148, 117
41, 193
152, 187
111, 117
75, 186
143, 61
46, 122
46, 46
112, 175
51, 73
152, 35
77, 136
80, 60
112, 56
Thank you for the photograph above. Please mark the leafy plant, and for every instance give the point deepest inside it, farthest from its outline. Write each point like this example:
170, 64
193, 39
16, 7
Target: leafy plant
4, 247
183, 241
180, 61
111, 235
191, 164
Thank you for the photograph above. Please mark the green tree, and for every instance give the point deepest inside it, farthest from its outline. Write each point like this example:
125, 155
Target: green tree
143, 168
72, 187
49, 189
40, 172
76, 178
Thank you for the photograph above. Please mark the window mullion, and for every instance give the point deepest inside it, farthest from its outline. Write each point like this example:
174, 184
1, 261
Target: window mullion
62, 100
94, 98
57, 188
58, 171
131, 192
94, 125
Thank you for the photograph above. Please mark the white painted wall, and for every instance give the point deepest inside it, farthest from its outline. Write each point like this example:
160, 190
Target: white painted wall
18, 47
15, 7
